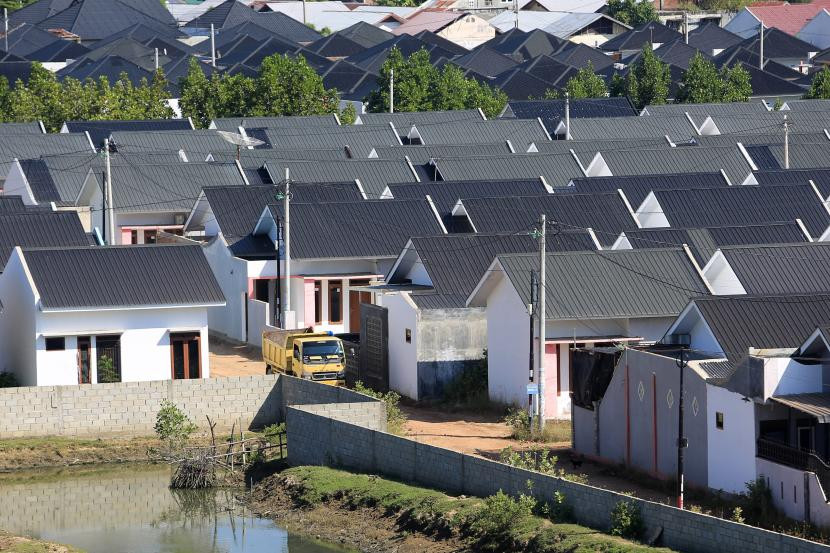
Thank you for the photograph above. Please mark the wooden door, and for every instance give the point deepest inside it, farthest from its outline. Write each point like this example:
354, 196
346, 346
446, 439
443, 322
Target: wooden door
84, 360
186, 355
355, 299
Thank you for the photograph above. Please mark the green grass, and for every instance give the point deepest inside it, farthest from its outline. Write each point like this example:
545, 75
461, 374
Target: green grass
9, 544
434, 512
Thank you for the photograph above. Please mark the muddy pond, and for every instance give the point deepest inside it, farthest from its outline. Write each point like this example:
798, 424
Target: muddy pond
130, 509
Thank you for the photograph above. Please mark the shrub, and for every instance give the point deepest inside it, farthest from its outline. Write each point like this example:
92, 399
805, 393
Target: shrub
626, 520
173, 426
539, 460
758, 501
521, 428
519, 422
737, 515
500, 516
8, 380
273, 430
395, 418
557, 510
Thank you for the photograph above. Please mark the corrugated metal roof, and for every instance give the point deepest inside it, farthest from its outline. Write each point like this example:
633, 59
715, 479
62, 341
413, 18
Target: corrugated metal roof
21, 128
99, 130
703, 242
446, 194
677, 128
703, 110
254, 159
552, 111
816, 405
518, 131
39, 229
557, 169
771, 122
374, 174
422, 154
693, 159
609, 284
781, 268
717, 372
405, 119
58, 178
122, 276
31, 146
741, 322
820, 177
637, 187
232, 124
365, 229
605, 213
744, 205
808, 105
197, 144
359, 138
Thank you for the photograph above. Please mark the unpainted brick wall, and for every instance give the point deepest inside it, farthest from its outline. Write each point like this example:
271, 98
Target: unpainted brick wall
339, 437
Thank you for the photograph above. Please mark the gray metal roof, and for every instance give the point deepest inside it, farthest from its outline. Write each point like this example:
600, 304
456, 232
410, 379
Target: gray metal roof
741, 322
808, 105
594, 146
703, 242
99, 130
609, 284
820, 177
30, 146
255, 158
197, 144
58, 179
781, 268
772, 122
637, 187
816, 405
359, 138
704, 110
364, 229
165, 188
422, 154
405, 119
677, 128
690, 159
232, 124
446, 194
556, 169
744, 205
605, 213
517, 131
374, 174
21, 128
122, 276
39, 229
717, 372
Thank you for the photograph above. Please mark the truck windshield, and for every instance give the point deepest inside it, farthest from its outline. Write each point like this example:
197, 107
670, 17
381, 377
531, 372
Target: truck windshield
323, 347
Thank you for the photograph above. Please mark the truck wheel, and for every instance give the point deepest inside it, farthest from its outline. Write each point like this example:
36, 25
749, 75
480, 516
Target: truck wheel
269, 369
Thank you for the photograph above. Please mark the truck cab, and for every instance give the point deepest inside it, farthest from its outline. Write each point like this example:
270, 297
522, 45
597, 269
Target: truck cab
306, 354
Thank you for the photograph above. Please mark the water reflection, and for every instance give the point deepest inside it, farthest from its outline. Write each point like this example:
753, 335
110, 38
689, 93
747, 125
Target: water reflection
131, 510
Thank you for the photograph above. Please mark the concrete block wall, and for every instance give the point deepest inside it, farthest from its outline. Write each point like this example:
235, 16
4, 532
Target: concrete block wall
325, 436
130, 408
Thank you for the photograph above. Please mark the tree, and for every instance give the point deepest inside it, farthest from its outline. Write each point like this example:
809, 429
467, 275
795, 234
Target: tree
648, 80
289, 86
586, 84
12, 5
632, 12
348, 115
421, 87
820, 87
195, 99
703, 83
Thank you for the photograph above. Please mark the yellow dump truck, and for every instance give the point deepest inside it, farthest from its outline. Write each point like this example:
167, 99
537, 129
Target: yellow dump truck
317, 356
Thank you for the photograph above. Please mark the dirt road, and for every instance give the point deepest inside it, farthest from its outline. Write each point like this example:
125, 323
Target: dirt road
227, 359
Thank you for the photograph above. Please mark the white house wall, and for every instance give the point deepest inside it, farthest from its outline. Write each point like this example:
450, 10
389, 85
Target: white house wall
508, 334
17, 323
721, 277
403, 355
144, 336
731, 449
784, 375
16, 184
791, 488
232, 275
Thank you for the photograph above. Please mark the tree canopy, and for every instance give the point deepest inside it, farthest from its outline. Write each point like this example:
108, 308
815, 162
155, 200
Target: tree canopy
703, 83
820, 87
285, 86
45, 98
586, 84
647, 82
632, 12
419, 86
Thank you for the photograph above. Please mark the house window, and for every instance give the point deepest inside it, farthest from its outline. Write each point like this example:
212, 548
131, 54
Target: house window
56, 343
335, 301
150, 236
408, 336
186, 355
108, 358
133, 236
318, 302
719, 420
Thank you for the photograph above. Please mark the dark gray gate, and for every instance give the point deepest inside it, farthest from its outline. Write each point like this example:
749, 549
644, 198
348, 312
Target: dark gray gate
373, 370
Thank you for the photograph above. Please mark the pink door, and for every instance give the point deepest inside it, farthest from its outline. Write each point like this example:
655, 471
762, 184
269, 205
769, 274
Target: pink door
308, 289
551, 380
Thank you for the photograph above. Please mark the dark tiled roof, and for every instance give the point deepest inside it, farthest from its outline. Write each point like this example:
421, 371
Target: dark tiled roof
30, 229
518, 84
365, 34
365, 229
122, 276
232, 13
485, 61
781, 268
703, 242
711, 36
820, 177
610, 284
637, 187
635, 38
552, 111
741, 322
97, 19
99, 130
744, 205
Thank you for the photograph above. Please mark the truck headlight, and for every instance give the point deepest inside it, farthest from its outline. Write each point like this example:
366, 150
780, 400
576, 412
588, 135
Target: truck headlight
307, 377
341, 375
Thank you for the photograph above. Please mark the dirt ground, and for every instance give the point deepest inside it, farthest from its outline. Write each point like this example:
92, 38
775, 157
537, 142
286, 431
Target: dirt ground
232, 359
16, 544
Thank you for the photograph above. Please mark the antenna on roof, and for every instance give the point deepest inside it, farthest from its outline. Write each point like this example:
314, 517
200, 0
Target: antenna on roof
239, 141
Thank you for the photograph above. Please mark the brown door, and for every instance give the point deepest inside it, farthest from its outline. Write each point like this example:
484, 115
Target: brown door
84, 358
186, 358
355, 299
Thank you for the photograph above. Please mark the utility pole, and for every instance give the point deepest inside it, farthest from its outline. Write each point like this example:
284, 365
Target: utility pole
516, 11
531, 366
6, 29
110, 213
686, 26
392, 90
567, 115
682, 442
761, 66
286, 240
212, 47
540, 315
157, 59
786, 143
305, 18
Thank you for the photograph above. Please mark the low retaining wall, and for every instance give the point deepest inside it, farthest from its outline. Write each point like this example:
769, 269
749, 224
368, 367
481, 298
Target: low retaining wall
322, 435
130, 408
